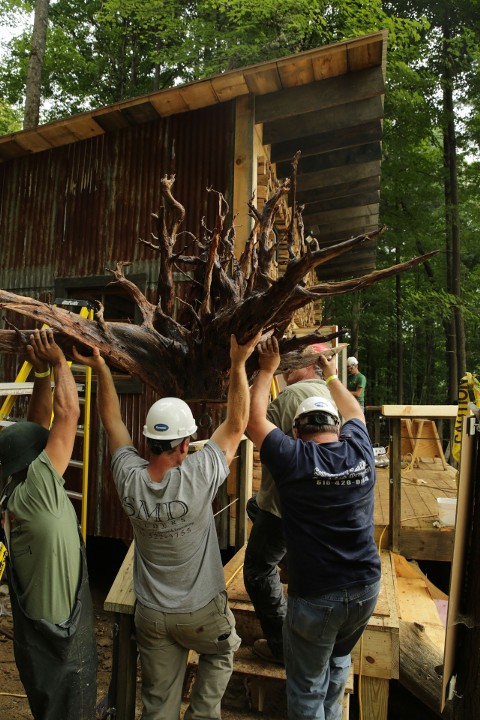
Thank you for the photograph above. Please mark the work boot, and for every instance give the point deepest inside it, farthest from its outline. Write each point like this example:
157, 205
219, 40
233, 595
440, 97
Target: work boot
262, 650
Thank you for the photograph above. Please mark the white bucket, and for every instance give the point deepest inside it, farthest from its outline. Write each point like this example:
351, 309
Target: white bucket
447, 508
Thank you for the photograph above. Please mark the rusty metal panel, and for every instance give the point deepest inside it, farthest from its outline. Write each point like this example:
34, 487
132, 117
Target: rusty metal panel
72, 211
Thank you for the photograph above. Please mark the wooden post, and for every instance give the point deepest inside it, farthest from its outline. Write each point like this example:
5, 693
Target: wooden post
466, 702
122, 691
395, 483
244, 491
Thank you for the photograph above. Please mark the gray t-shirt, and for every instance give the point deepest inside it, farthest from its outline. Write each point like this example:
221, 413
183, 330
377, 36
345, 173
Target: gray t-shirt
177, 562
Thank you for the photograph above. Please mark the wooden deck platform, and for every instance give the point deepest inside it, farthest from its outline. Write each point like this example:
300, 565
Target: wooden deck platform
421, 536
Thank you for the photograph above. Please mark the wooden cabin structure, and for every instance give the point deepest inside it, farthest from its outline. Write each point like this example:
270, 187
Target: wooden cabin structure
77, 193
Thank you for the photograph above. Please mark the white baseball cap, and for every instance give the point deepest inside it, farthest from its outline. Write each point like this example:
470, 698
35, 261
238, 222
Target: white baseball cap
352, 361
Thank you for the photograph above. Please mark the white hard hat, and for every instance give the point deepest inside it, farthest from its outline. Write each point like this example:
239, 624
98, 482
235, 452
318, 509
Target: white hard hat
352, 361
169, 419
315, 404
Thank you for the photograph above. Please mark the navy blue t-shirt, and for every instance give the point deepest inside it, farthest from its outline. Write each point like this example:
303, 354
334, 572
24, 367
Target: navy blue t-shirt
326, 495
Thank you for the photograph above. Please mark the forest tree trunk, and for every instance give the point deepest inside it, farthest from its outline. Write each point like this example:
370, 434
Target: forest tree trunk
456, 343
35, 65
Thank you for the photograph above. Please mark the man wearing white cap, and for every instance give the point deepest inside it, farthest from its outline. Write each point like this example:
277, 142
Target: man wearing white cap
266, 547
325, 478
356, 382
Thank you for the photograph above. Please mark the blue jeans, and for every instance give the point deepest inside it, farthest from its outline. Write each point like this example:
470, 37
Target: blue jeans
265, 549
319, 634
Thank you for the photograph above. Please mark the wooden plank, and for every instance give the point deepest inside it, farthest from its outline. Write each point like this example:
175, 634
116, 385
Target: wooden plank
325, 142
331, 63
363, 224
374, 697
330, 217
335, 159
421, 544
346, 202
245, 170
340, 189
314, 96
329, 120
323, 178
267, 81
299, 71
361, 54
229, 86
420, 411
121, 596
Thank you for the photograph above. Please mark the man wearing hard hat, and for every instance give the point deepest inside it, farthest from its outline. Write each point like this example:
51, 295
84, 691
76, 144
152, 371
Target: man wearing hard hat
325, 478
356, 382
266, 547
178, 573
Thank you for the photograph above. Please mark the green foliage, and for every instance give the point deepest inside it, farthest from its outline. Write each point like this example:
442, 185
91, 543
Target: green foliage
10, 120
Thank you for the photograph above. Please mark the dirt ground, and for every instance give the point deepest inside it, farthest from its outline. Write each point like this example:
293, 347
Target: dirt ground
237, 703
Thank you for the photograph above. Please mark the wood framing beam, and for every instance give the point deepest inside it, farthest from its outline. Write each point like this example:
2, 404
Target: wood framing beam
245, 168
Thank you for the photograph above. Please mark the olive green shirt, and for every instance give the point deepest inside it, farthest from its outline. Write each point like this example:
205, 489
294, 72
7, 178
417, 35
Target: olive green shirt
44, 543
281, 412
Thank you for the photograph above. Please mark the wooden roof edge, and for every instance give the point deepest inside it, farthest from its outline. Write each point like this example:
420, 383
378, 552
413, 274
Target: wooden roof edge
20, 138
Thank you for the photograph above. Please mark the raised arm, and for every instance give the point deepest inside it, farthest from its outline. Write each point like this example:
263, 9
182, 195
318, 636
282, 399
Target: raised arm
229, 433
108, 403
268, 359
346, 403
40, 405
65, 400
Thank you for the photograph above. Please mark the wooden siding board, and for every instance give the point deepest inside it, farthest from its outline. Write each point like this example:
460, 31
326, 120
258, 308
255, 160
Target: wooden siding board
320, 95
335, 159
325, 142
331, 217
348, 201
329, 120
323, 178
339, 189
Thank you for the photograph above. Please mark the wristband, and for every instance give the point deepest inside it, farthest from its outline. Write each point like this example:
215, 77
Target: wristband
42, 374
330, 377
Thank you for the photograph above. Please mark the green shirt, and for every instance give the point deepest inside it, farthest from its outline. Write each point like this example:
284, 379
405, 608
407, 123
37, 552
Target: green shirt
44, 543
281, 412
357, 381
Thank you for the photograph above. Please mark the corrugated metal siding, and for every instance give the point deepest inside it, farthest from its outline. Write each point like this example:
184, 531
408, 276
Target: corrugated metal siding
72, 212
